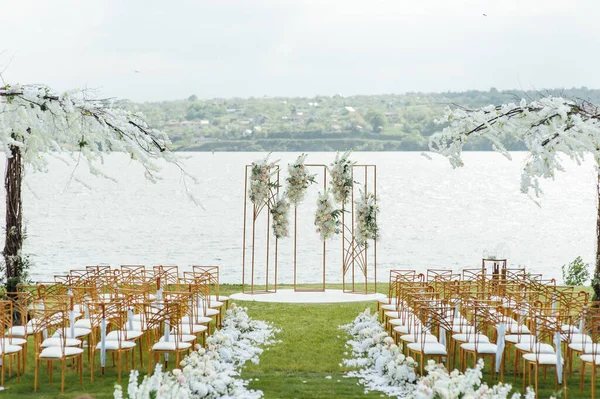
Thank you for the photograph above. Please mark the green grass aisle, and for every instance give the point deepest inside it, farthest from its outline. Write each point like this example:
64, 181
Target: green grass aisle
311, 351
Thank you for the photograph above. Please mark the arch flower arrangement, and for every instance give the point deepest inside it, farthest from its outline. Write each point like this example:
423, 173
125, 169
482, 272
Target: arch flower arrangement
327, 218
298, 180
366, 218
260, 181
341, 182
281, 222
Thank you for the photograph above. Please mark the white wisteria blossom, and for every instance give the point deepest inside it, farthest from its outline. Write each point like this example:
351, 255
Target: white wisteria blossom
213, 372
327, 218
298, 180
341, 182
37, 122
366, 218
548, 127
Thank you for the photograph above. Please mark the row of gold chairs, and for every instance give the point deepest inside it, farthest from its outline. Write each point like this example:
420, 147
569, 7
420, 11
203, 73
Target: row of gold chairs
477, 313
111, 312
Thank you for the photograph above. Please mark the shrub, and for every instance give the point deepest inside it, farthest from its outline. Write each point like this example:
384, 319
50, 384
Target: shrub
576, 272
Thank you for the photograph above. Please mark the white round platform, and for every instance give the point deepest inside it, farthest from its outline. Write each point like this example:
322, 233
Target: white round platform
290, 296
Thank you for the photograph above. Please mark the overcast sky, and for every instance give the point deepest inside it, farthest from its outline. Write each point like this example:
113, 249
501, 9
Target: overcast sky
224, 48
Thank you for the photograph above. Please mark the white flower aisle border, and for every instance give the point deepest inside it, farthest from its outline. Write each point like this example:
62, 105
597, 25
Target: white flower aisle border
212, 372
382, 367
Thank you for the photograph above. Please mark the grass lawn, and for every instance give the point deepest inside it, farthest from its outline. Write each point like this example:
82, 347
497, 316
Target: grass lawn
298, 367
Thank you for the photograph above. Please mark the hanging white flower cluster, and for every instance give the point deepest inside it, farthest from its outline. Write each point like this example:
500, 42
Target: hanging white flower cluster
42, 122
547, 127
341, 177
281, 223
327, 217
212, 372
260, 181
298, 180
381, 364
366, 218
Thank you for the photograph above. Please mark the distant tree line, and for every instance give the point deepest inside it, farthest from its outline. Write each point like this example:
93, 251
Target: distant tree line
387, 122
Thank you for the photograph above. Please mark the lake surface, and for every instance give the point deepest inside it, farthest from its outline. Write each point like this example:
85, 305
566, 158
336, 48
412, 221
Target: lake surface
431, 216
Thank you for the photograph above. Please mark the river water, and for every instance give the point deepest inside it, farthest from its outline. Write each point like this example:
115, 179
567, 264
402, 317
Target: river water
431, 216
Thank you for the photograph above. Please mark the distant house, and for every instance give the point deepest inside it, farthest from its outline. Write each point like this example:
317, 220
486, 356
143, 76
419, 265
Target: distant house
204, 122
247, 132
350, 109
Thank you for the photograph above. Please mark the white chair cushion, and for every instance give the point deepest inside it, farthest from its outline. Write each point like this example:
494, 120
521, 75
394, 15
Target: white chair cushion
215, 304
535, 347
123, 335
390, 307
115, 345
182, 338
191, 329
410, 338
578, 338
79, 332
83, 323
589, 358
519, 338
19, 331
55, 341
56, 352
480, 348
585, 347
398, 322
408, 329
566, 328
211, 312
517, 329
8, 349
471, 337
541, 358
432, 348
15, 341
462, 328
196, 319
221, 298
170, 346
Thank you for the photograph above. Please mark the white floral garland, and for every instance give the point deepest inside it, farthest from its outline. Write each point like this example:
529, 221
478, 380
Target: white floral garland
327, 217
382, 367
341, 182
281, 222
260, 181
298, 180
212, 372
366, 218
381, 364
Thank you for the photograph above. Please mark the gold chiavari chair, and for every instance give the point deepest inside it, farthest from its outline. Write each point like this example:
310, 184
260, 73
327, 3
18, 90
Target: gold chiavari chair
591, 351
114, 313
8, 348
160, 318
54, 317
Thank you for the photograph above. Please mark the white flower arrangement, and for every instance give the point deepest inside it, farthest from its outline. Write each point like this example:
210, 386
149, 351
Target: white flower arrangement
298, 180
280, 213
439, 383
382, 367
341, 177
212, 372
260, 181
381, 364
327, 217
366, 218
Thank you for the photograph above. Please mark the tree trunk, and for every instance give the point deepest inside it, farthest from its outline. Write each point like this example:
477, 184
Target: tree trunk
14, 210
596, 277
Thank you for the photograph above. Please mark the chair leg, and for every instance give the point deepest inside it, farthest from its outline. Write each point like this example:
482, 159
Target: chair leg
582, 372
536, 379
35, 375
593, 379
62, 375
119, 367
